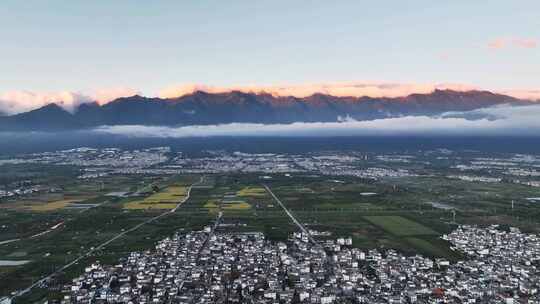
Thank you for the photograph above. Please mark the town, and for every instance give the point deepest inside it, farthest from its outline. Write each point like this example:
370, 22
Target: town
97, 163
215, 266
222, 226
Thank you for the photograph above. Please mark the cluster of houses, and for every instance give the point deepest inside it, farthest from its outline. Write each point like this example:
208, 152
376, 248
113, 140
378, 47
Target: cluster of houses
503, 264
334, 164
96, 163
482, 179
25, 188
520, 169
232, 267
18, 191
349, 165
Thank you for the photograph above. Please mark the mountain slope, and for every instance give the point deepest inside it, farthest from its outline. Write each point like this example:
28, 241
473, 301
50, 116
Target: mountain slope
202, 108
49, 117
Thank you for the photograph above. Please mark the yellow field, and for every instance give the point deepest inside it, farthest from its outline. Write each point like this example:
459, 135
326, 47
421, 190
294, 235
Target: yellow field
236, 205
166, 199
53, 205
138, 205
172, 194
252, 191
211, 204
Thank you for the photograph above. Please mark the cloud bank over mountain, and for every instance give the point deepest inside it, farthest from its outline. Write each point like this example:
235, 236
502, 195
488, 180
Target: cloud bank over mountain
339, 89
16, 101
501, 120
13, 102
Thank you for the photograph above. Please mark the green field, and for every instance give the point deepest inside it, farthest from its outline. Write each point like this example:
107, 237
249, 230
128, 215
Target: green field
431, 247
400, 226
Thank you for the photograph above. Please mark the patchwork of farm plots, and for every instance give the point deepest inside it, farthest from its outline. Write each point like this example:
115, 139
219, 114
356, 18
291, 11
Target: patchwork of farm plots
252, 192
165, 199
386, 218
52, 205
241, 200
56, 203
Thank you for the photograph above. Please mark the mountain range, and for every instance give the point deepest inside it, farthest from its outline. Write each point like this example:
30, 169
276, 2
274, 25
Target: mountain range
201, 108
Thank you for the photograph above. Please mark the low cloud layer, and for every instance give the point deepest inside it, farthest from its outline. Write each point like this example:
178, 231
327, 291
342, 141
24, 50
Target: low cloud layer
503, 120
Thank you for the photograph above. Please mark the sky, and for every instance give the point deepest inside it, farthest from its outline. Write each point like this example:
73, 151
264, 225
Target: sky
106, 49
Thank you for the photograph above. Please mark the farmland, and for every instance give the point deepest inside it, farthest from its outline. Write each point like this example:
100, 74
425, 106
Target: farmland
399, 226
164, 199
236, 205
54, 205
394, 213
252, 192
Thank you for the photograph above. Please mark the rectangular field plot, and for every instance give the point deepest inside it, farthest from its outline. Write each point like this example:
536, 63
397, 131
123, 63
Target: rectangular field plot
213, 205
166, 199
236, 205
252, 192
400, 226
431, 247
55, 205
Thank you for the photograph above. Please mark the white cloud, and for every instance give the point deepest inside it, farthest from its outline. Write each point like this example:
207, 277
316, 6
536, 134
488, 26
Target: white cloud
13, 102
515, 42
511, 120
532, 94
105, 95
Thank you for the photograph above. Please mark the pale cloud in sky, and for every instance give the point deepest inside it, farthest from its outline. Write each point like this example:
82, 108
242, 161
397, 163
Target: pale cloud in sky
531, 94
516, 42
105, 95
498, 43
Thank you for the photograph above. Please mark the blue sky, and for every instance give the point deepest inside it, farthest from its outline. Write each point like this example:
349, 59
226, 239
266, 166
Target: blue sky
148, 45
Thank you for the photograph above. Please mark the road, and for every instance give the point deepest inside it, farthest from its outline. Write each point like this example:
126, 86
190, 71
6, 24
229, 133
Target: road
331, 265
40, 234
100, 246
204, 245
213, 229
188, 193
296, 222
